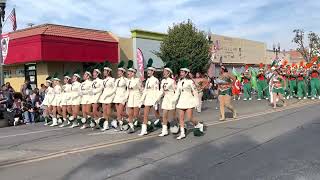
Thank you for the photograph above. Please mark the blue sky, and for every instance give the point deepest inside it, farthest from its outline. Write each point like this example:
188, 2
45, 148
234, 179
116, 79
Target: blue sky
269, 21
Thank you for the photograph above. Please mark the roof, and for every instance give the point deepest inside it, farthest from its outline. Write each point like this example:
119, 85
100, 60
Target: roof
64, 31
139, 33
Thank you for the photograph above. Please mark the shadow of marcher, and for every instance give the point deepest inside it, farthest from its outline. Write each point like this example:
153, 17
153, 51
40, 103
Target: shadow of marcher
117, 160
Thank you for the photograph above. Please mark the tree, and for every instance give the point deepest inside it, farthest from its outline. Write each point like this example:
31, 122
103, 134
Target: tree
307, 50
185, 42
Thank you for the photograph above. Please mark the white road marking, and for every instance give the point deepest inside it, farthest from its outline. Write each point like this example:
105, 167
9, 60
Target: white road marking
112, 132
33, 132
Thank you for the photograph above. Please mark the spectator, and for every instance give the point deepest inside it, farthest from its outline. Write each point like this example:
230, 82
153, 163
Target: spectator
42, 91
26, 89
28, 111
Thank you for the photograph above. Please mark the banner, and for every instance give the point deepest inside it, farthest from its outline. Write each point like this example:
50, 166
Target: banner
140, 61
4, 46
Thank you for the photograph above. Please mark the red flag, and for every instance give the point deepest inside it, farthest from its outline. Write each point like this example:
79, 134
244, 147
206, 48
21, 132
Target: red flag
13, 19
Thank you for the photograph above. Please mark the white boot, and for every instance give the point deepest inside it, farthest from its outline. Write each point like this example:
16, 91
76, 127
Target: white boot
114, 124
200, 126
182, 134
105, 126
54, 122
131, 128
143, 130
164, 131
84, 122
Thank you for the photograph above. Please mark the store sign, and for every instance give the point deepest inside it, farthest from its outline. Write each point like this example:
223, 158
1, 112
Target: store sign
4, 46
140, 61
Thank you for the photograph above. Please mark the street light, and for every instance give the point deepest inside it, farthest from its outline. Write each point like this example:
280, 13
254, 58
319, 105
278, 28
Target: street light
2, 16
276, 50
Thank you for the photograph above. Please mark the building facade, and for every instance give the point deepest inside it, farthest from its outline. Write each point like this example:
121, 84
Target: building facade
37, 52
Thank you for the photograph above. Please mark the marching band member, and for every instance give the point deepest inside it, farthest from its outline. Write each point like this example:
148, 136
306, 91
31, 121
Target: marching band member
167, 89
301, 83
134, 96
150, 97
97, 88
48, 100
75, 99
66, 99
186, 96
278, 85
315, 82
120, 97
85, 92
262, 84
246, 84
56, 100
224, 89
107, 95
293, 81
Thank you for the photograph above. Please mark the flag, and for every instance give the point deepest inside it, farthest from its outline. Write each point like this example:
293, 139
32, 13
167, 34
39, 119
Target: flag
13, 19
140, 61
4, 46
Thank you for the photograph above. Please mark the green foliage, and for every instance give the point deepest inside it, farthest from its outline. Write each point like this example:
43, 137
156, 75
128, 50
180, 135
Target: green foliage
309, 47
185, 41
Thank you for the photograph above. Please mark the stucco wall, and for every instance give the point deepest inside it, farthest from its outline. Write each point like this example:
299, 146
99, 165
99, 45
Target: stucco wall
236, 50
148, 48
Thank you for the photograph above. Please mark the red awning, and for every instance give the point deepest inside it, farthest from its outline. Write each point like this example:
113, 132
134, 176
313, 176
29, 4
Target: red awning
61, 44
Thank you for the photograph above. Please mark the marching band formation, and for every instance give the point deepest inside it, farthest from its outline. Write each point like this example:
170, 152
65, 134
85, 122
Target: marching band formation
98, 94
96, 98
279, 82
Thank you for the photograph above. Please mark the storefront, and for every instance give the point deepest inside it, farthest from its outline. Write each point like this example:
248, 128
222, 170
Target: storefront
37, 52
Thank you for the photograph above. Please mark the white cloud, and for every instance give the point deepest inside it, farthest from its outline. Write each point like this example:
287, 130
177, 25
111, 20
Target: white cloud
268, 21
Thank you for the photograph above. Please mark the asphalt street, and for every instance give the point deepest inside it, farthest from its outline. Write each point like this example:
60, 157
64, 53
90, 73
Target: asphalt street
261, 144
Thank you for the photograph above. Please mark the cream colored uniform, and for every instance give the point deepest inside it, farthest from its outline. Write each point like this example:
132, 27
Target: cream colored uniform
108, 91
66, 98
167, 90
151, 92
120, 91
186, 94
134, 92
85, 91
57, 95
97, 88
76, 97
48, 97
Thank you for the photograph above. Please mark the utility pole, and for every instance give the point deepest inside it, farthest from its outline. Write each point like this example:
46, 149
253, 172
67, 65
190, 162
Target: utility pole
2, 18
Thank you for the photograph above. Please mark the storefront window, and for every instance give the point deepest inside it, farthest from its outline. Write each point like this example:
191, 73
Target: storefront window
20, 72
7, 74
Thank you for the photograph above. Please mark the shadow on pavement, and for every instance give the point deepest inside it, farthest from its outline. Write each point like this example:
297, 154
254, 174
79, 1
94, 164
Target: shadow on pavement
103, 165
